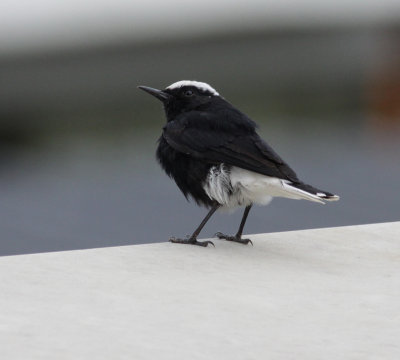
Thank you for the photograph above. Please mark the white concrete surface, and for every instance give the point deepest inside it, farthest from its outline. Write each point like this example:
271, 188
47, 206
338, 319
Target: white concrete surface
315, 294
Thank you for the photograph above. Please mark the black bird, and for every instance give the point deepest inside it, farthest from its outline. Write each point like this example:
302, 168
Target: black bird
215, 156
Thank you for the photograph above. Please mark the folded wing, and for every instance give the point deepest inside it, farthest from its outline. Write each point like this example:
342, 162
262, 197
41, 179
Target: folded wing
213, 140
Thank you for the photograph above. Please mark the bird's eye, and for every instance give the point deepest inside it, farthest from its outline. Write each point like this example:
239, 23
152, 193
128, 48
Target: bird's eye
188, 93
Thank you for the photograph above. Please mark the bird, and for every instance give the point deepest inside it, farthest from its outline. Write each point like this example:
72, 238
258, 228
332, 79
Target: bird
215, 156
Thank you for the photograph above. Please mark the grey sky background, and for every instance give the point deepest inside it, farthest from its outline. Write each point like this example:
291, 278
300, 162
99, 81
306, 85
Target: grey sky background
42, 24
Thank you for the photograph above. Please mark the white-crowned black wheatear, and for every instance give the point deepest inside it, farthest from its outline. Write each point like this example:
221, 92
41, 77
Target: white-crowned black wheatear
215, 156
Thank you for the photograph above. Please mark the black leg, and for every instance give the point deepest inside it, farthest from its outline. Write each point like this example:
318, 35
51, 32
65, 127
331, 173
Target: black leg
238, 237
244, 218
192, 240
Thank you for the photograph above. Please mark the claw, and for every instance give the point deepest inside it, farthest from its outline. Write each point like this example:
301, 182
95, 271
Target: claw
249, 242
209, 243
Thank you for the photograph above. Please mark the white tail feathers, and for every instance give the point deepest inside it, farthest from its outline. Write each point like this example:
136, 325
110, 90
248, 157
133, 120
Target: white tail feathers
318, 197
300, 194
332, 198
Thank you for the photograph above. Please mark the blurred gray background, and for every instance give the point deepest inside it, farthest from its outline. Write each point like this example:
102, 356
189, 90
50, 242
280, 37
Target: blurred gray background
77, 139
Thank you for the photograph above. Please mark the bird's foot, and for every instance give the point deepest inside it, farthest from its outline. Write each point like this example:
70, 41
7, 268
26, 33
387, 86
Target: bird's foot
235, 238
190, 241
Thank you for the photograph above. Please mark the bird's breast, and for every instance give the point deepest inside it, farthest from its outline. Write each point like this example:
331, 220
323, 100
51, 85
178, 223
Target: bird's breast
188, 172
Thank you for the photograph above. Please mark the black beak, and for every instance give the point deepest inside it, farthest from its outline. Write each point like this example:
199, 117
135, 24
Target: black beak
159, 94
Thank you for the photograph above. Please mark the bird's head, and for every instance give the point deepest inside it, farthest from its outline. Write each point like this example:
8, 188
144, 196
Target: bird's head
183, 96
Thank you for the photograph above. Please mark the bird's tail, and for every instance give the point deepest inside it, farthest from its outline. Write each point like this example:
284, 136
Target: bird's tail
309, 192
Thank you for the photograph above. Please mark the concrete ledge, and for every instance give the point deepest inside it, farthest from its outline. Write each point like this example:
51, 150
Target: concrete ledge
314, 294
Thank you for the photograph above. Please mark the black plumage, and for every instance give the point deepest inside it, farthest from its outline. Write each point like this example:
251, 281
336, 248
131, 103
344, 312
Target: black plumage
205, 134
189, 173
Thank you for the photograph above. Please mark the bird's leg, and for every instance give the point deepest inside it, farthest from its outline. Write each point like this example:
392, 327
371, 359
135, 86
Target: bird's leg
192, 240
238, 237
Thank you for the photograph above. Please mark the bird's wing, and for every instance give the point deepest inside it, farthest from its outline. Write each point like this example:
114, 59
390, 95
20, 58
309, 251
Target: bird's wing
229, 145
